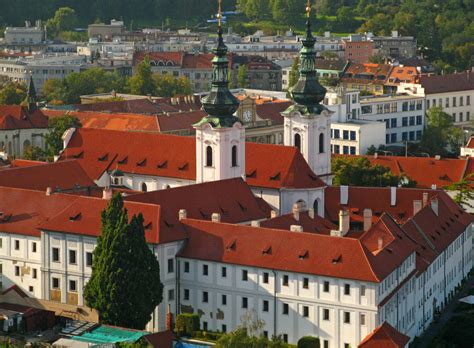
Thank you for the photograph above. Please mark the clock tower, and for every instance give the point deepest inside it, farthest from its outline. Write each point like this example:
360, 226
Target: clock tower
307, 124
220, 136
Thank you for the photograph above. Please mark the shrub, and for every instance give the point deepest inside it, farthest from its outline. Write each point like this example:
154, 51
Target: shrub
308, 342
187, 323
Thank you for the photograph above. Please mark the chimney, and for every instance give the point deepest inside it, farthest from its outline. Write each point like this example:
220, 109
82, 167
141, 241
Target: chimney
183, 214
296, 228
107, 193
311, 213
169, 318
433, 187
393, 196
425, 198
48, 191
376, 155
296, 211
216, 217
273, 214
434, 205
344, 192
380, 243
255, 223
344, 222
367, 219
417, 205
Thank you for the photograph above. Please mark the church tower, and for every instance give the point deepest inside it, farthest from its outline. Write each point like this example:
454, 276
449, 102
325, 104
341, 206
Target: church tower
31, 95
307, 123
220, 136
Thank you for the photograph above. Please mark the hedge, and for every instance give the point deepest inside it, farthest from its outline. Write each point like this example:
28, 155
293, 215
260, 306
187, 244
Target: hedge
308, 342
187, 323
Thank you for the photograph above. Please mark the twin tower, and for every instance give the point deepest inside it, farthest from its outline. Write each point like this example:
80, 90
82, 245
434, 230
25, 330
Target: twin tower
220, 136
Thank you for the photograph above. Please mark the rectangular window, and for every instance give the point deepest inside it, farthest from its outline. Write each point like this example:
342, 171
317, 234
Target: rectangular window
72, 286
468, 116
347, 345
446, 105
345, 150
224, 328
419, 105
352, 150
362, 319
88, 259
404, 121
186, 294
305, 283
30, 289
265, 306
387, 123
205, 296
170, 266
419, 120
245, 275
347, 318
205, 270
35, 273
305, 311
285, 280
461, 101
405, 106
72, 257
245, 302
285, 338
387, 138
265, 277
347, 289
325, 314
412, 135
404, 136
286, 308
427, 104
33, 247
224, 272
17, 271
393, 137
1, 242
468, 100
337, 134
326, 344
412, 120
362, 290
204, 326
326, 286
55, 283
461, 116
393, 123
412, 106
454, 101
171, 295
353, 135
224, 300
337, 149
345, 134
186, 267
55, 256
17, 244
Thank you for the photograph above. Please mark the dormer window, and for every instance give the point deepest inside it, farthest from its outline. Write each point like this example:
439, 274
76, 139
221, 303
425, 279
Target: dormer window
116, 177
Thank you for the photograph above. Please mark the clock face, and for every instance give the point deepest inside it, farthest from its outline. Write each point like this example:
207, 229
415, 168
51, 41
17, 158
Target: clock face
248, 116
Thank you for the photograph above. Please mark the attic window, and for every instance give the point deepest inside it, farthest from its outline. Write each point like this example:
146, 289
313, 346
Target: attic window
148, 226
267, 250
389, 250
183, 167
252, 174
75, 217
337, 260
203, 214
141, 163
231, 245
423, 247
313, 177
103, 157
378, 213
242, 207
162, 165
303, 254
433, 237
169, 225
6, 217
79, 155
123, 160
223, 211
439, 234
275, 177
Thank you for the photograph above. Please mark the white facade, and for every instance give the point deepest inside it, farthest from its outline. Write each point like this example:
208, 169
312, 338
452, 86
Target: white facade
356, 136
27, 35
14, 142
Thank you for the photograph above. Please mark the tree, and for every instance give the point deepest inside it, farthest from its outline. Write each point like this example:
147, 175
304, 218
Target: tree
308, 342
239, 338
380, 24
57, 126
34, 153
464, 191
125, 284
142, 82
12, 94
243, 76
170, 86
377, 59
64, 19
294, 72
358, 171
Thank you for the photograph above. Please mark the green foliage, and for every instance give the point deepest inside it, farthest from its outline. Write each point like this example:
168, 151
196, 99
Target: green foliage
170, 86
35, 153
239, 338
377, 59
358, 171
308, 342
187, 323
57, 126
440, 133
125, 284
207, 336
243, 76
65, 19
457, 332
464, 191
12, 94
142, 82
294, 72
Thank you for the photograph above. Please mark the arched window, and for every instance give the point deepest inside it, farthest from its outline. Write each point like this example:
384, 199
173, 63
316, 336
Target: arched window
209, 156
26, 144
234, 156
321, 143
298, 141
301, 204
316, 206
144, 188
116, 181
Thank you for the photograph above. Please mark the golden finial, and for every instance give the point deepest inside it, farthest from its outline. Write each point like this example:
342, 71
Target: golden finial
308, 8
219, 13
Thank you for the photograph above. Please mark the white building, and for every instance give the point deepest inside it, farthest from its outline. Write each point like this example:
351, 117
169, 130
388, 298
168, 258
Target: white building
453, 92
27, 35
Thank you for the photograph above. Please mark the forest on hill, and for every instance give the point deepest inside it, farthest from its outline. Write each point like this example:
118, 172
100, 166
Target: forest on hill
444, 28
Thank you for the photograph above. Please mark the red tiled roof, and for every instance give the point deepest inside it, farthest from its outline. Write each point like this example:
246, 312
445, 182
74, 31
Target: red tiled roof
17, 163
402, 74
358, 71
376, 198
176, 58
456, 82
162, 339
272, 110
299, 252
39, 176
198, 61
179, 120
175, 157
133, 106
470, 143
385, 336
309, 224
17, 289
18, 117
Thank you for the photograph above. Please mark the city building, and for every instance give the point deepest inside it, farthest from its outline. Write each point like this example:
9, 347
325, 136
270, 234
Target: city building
395, 46
27, 35
106, 32
368, 77
452, 92
357, 49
